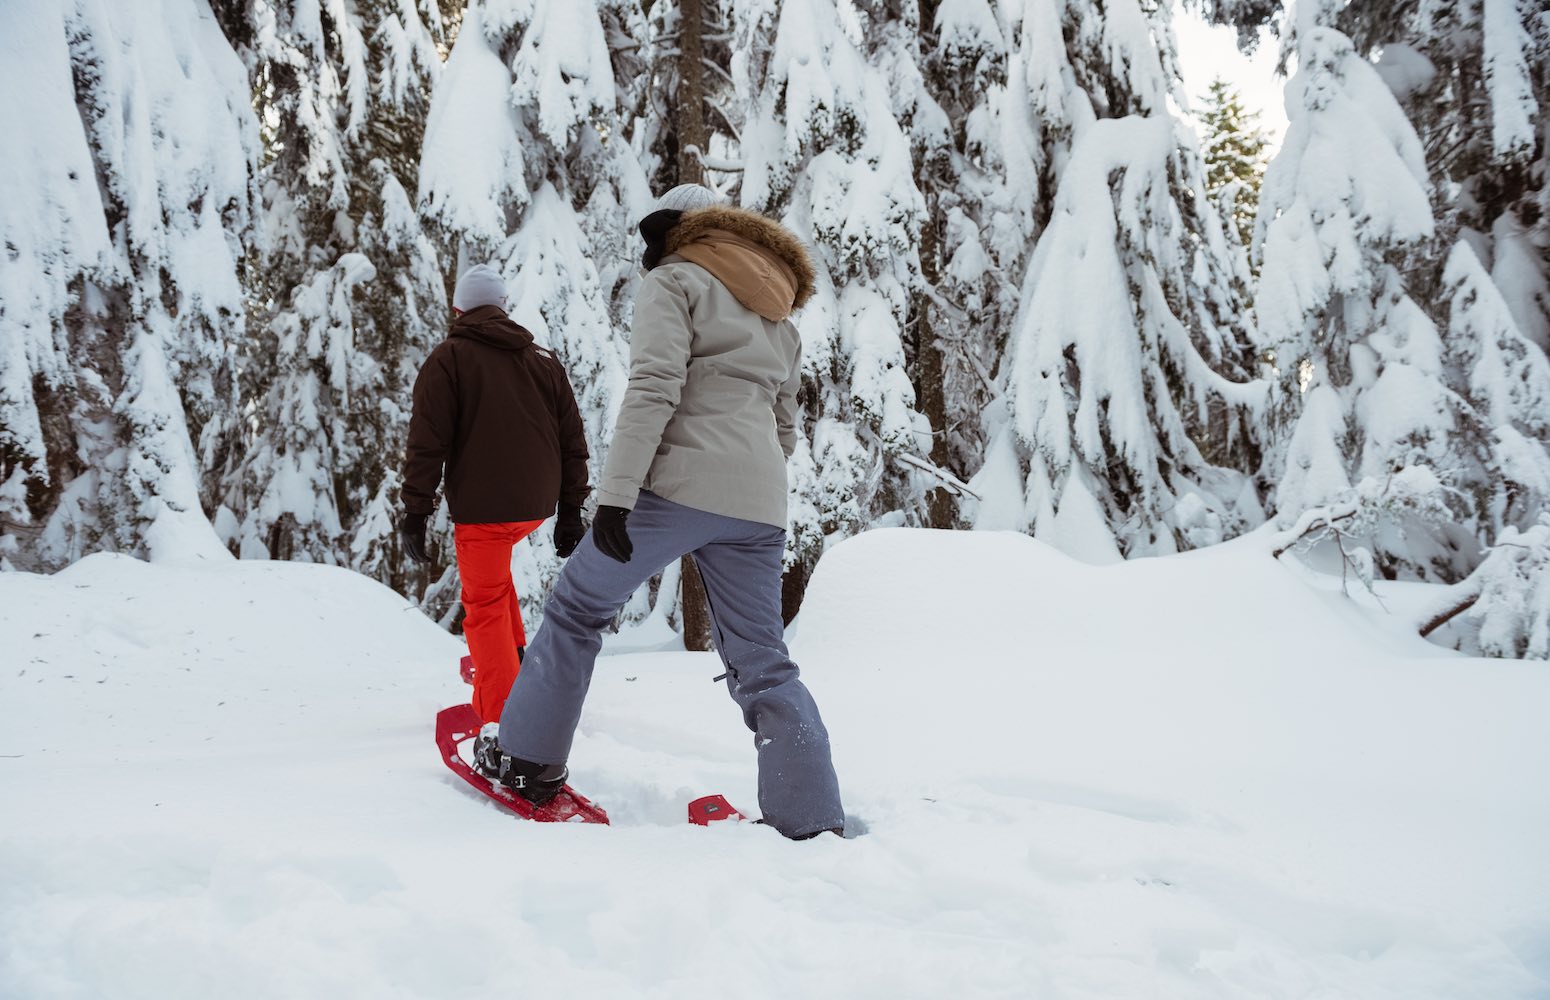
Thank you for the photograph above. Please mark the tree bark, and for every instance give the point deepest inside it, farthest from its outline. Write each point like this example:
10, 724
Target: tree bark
929, 389
690, 126
690, 113
793, 587
695, 611
1467, 594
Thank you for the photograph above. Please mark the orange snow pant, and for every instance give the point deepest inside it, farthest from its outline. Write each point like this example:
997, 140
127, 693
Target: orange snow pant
493, 622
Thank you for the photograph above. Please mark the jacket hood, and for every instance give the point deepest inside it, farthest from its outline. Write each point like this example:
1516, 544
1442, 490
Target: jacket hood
761, 262
490, 325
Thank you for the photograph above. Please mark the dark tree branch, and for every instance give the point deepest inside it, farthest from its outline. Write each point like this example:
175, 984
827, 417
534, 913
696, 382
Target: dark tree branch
1442, 618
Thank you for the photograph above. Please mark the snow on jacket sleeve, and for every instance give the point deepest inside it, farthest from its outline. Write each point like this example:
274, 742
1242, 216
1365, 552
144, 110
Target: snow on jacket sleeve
431, 426
573, 443
786, 403
660, 339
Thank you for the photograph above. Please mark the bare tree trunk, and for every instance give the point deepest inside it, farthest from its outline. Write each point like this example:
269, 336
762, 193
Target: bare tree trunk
793, 587
696, 617
929, 390
690, 125
690, 112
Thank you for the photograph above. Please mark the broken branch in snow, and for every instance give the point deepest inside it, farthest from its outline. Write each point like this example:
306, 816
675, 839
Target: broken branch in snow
1458, 607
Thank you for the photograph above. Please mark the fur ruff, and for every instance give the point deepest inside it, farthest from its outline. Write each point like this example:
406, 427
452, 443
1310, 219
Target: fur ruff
752, 226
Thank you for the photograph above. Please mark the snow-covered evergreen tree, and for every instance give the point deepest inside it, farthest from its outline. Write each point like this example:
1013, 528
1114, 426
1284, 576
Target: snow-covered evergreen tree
1473, 78
955, 319
823, 151
526, 165
1234, 150
1511, 617
1107, 384
976, 169
128, 208
1512, 186
1342, 200
1504, 382
1345, 222
1414, 364
1130, 351
1503, 607
349, 297
56, 240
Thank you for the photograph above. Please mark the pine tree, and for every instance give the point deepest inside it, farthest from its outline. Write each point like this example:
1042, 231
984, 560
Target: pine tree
348, 296
1503, 382
1235, 157
977, 165
1343, 203
1385, 390
56, 242
1446, 376
822, 150
952, 53
1511, 616
1471, 75
1129, 349
687, 119
119, 300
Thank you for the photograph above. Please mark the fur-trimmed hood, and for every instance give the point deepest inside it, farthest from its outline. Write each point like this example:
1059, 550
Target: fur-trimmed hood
760, 261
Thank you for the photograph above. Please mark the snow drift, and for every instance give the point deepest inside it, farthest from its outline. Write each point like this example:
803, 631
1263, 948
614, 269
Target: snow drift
1197, 776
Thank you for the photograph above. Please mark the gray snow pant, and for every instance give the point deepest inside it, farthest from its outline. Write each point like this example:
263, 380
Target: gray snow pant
740, 562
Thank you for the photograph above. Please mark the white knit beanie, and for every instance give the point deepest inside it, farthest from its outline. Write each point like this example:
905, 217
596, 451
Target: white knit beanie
480, 285
687, 198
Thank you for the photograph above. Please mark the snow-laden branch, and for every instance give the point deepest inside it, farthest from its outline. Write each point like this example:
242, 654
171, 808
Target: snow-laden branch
726, 119
1314, 524
1352, 519
708, 64
1461, 597
1507, 596
714, 162
950, 482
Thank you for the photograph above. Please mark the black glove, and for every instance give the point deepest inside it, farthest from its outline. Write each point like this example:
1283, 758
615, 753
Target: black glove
610, 534
569, 529
411, 532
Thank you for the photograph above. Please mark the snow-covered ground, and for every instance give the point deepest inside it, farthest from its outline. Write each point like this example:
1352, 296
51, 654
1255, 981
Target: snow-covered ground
1199, 776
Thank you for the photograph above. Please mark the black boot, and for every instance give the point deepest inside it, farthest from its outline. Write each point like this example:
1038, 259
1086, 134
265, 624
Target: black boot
838, 831
538, 783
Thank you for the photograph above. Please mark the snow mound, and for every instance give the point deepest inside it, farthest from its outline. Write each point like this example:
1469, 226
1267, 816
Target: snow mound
1196, 776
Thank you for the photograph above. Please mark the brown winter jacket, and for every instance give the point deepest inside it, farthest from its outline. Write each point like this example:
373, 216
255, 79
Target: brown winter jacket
498, 412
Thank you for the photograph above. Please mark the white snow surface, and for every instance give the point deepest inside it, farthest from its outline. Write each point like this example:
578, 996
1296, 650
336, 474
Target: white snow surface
1207, 775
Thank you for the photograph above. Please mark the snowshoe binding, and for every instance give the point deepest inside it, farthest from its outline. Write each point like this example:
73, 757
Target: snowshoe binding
537, 783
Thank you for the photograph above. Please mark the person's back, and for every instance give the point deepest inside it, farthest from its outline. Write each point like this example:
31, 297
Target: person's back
697, 466
516, 446
727, 280
496, 413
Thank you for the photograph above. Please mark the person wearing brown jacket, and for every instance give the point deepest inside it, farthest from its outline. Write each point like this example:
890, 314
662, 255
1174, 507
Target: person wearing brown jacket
494, 416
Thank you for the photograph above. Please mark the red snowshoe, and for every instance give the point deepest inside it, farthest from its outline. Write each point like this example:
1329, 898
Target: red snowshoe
459, 725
